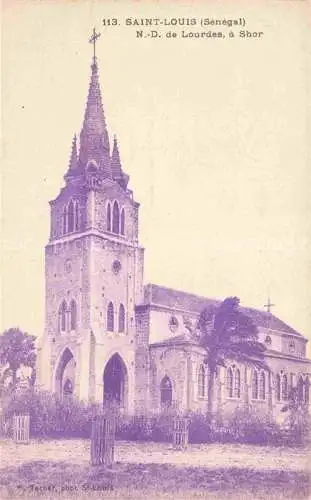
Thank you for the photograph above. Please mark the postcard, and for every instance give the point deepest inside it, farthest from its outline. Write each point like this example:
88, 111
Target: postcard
155, 242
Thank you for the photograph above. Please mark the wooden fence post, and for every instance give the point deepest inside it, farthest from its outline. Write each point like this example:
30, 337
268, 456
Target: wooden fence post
102, 440
21, 425
180, 432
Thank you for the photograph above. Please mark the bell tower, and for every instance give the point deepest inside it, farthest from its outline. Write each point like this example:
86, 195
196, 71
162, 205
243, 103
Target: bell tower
93, 269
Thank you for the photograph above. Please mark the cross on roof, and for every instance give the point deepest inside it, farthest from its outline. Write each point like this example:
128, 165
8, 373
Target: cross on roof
93, 39
268, 305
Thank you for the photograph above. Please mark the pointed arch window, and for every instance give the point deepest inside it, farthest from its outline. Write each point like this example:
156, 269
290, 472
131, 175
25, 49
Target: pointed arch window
300, 389
166, 392
201, 382
278, 387
70, 227
306, 390
230, 382
262, 385
237, 383
121, 319
62, 316
254, 385
115, 218
73, 315
64, 220
122, 229
284, 388
110, 317
77, 216
109, 217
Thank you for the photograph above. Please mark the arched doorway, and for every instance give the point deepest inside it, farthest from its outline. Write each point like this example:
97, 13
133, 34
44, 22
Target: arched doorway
115, 382
166, 392
65, 374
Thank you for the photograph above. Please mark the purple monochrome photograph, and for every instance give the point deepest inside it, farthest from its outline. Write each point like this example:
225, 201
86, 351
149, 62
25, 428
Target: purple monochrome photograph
155, 250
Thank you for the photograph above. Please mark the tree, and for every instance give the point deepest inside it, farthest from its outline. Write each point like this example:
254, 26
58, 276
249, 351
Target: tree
227, 332
17, 349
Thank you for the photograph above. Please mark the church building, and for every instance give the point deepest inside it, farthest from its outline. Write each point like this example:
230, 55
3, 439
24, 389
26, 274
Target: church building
110, 337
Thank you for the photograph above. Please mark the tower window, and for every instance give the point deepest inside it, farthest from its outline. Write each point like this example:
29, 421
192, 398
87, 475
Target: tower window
77, 218
62, 316
115, 218
110, 317
122, 229
73, 315
70, 217
109, 217
64, 220
121, 319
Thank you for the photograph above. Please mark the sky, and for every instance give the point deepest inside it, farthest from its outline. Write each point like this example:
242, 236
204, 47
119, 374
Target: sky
213, 133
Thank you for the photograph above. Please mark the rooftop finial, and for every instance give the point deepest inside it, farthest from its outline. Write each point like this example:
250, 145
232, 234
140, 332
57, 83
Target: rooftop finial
268, 305
93, 40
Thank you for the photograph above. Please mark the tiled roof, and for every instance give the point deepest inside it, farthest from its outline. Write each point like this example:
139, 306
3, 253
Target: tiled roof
188, 302
273, 353
177, 340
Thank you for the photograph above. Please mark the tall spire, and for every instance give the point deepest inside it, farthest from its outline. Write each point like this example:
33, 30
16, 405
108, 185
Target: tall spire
94, 140
116, 168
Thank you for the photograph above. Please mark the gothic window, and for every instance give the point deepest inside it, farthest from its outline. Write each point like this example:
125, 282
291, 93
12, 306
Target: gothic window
109, 217
284, 388
237, 383
300, 389
62, 316
64, 220
77, 216
121, 319
306, 391
254, 385
70, 226
110, 317
262, 385
278, 387
115, 218
166, 391
73, 315
230, 382
122, 222
201, 382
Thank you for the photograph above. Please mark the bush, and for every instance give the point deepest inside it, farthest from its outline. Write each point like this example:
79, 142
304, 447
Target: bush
50, 416
70, 418
146, 428
200, 428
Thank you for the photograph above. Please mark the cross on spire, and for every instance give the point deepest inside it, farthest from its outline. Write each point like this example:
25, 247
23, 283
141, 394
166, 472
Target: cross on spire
268, 305
93, 40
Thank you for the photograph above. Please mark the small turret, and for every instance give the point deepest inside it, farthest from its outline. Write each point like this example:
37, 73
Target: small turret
116, 168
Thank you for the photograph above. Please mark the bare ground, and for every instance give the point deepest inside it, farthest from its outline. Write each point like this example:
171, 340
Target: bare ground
154, 470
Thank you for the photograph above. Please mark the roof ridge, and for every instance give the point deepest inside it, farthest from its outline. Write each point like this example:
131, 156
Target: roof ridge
179, 297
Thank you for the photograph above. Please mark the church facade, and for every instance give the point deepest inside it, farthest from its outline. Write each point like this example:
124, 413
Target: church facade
109, 337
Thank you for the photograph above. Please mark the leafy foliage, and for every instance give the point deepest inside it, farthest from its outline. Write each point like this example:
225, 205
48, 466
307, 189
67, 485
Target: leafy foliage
227, 332
17, 349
